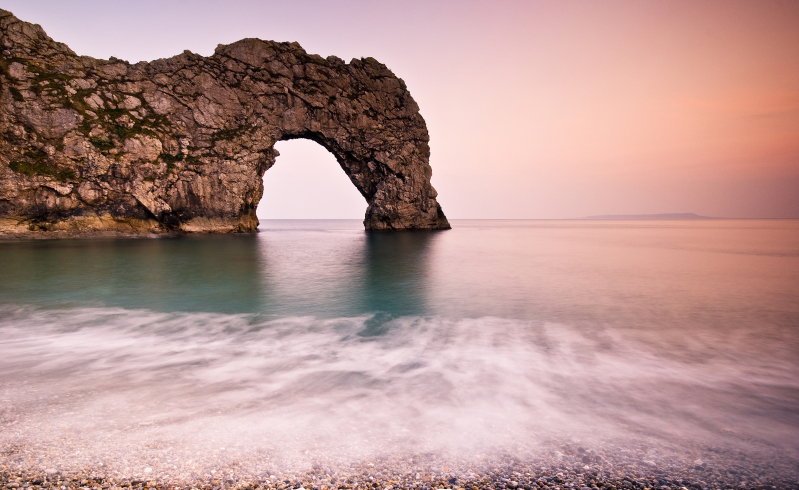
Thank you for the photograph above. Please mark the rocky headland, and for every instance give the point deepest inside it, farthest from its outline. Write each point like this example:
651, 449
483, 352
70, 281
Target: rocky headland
92, 147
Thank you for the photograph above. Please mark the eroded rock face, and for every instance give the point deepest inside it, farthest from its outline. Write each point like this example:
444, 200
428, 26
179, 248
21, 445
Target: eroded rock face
181, 144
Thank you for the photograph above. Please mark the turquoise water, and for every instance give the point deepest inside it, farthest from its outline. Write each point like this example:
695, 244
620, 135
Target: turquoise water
315, 337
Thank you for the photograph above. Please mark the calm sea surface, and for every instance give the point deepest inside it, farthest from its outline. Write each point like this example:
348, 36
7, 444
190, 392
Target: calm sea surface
315, 338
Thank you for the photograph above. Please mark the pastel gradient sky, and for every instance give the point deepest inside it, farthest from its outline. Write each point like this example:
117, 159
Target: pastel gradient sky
536, 109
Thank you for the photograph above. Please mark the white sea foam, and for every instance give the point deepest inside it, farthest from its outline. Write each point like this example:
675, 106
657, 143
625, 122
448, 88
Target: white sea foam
187, 393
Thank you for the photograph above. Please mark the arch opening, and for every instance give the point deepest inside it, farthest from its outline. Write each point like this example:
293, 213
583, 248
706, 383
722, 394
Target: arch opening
306, 182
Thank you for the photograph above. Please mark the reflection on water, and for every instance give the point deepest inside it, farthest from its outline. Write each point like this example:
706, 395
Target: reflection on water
395, 272
316, 339
334, 268
328, 270
185, 274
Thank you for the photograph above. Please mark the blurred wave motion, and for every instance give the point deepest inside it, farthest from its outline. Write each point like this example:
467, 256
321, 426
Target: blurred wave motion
315, 340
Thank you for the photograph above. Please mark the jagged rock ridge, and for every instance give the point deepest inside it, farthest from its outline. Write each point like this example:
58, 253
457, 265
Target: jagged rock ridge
181, 144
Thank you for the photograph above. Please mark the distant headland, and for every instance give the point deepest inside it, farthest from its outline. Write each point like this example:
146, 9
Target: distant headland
650, 216
180, 145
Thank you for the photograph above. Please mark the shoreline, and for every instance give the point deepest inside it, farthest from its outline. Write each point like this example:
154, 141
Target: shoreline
576, 469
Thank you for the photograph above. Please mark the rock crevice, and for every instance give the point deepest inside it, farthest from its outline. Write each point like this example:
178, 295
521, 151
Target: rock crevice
181, 144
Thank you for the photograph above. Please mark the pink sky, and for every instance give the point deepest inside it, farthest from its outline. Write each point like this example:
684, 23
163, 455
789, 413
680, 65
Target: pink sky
535, 109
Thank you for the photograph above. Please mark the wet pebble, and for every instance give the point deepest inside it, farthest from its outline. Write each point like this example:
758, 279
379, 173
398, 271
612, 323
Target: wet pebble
620, 468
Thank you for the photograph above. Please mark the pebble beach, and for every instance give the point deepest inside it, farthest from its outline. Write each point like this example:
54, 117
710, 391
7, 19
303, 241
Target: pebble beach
569, 467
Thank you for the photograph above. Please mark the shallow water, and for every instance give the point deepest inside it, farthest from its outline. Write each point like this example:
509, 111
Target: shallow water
315, 340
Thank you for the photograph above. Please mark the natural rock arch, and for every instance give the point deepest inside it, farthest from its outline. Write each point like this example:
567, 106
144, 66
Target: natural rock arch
181, 144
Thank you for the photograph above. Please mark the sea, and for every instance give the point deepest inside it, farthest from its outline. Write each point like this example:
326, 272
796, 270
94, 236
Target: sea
314, 340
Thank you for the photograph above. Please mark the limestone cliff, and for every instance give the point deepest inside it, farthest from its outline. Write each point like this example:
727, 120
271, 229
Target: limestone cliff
93, 146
